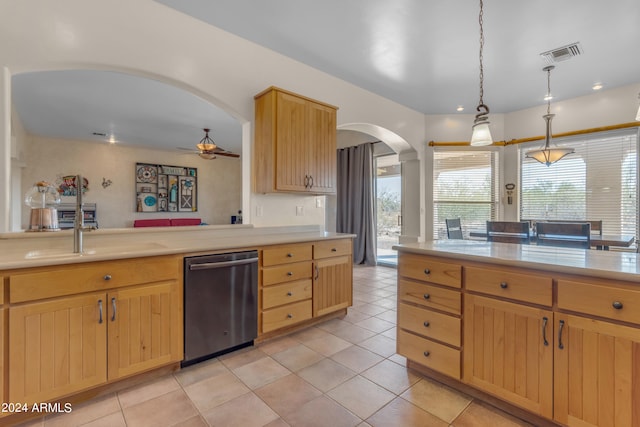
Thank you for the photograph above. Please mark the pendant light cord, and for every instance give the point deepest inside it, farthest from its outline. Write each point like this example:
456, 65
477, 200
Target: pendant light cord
549, 90
480, 21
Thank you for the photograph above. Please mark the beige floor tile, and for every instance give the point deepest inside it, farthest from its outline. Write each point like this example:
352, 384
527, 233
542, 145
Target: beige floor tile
261, 372
437, 399
391, 333
375, 324
114, 420
277, 345
355, 316
364, 424
243, 411
390, 316
242, 357
287, 394
85, 412
328, 345
369, 309
165, 410
391, 376
277, 423
201, 371
216, 390
309, 334
332, 325
400, 360
353, 334
361, 396
140, 393
478, 414
36, 422
326, 374
357, 358
367, 298
196, 421
380, 344
298, 357
382, 292
402, 413
322, 412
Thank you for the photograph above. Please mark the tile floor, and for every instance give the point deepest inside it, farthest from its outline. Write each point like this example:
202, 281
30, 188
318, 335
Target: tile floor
343, 372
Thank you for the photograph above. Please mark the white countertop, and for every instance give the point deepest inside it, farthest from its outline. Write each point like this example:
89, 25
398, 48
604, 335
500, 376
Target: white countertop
605, 264
24, 250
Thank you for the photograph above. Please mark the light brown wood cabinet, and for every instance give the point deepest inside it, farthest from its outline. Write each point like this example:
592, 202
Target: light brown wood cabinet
295, 144
64, 339
333, 276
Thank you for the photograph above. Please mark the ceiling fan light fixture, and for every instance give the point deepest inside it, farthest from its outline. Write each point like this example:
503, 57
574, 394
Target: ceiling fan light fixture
548, 155
207, 156
481, 134
206, 143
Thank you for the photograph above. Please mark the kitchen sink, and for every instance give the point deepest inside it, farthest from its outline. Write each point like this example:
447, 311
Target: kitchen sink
102, 250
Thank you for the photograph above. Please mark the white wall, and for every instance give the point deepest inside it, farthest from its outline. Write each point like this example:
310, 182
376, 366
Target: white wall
219, 180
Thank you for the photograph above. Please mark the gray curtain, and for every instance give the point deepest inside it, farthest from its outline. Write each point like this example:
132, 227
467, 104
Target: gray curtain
356, 201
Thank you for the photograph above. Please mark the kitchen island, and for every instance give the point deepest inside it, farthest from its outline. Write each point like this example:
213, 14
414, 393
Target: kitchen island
551, 334
73, 326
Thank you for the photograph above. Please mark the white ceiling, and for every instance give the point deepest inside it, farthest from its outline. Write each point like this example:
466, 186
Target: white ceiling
419, 53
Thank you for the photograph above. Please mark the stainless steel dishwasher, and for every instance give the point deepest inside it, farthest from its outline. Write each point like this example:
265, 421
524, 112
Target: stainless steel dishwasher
220, 304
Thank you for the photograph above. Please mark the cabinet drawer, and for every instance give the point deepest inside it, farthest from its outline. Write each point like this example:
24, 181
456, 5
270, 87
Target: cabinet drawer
427, 269
287, 253
78, 278
505, 283
429, 296
331, 248
276, 295
286, 273
598, 300
291, 314
436, 356
429, 323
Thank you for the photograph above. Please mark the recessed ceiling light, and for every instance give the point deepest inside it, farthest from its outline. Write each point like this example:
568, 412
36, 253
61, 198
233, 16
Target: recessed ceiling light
597, 86
460, 108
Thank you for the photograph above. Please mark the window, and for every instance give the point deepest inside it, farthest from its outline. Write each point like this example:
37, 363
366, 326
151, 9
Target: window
465, 186
597, 182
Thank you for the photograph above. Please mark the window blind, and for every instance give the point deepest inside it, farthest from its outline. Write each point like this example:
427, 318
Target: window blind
465, 186
597, 182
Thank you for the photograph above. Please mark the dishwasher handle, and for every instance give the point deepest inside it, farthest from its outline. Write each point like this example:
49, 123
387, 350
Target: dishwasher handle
221, 264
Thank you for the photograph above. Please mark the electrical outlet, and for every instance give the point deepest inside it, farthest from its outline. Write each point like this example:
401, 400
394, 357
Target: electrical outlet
318, 202
299, 210
259, 211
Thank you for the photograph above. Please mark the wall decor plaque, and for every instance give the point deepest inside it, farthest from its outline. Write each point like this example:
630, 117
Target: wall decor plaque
166, 188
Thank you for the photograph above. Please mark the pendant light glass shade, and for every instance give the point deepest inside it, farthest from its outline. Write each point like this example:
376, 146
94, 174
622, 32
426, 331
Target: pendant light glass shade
548, 155
481, 134
206, 143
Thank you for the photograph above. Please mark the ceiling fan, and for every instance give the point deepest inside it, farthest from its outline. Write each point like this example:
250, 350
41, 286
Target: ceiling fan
207, 149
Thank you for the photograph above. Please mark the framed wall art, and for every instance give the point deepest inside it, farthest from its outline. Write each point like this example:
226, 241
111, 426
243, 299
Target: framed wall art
166, 188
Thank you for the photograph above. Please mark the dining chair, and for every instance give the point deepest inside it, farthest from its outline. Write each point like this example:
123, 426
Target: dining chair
596, 225
508, 232
565, 234
454, 228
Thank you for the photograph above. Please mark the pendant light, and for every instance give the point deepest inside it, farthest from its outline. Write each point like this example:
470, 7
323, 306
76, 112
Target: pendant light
206, 146
481, 134
548, 155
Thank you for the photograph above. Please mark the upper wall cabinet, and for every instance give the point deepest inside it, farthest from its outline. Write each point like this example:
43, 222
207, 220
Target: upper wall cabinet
295, 144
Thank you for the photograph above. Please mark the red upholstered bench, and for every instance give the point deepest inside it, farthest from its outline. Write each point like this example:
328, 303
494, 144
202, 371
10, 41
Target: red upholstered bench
185, 221
152, 223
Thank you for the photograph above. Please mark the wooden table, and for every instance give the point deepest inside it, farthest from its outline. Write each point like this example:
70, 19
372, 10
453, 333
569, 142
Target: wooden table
599, 242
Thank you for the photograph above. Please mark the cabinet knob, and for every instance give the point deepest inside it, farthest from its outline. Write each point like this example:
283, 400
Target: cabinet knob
289, 273
289, 316
289, 255
426, 324
427, 271
426, 354
334, 250
289, 294
427, 296
617, 305
504, 285
107, 277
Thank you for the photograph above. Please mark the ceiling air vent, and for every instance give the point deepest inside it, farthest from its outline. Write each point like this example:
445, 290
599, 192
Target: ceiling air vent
562, 53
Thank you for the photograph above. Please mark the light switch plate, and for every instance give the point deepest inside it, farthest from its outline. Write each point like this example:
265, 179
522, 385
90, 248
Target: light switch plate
259, 211
299, 210
318, 202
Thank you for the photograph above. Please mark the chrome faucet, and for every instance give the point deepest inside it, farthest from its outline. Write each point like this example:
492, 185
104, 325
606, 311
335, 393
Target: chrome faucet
78, 223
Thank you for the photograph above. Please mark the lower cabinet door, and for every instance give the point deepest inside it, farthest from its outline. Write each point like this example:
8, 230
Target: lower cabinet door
332, 285
508, 352
145, 328
597, 373
57, 347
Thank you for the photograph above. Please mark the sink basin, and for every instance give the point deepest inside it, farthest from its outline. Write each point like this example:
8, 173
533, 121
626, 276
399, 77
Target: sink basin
132, 249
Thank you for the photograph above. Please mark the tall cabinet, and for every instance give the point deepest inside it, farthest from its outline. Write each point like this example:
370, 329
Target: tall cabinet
295, 144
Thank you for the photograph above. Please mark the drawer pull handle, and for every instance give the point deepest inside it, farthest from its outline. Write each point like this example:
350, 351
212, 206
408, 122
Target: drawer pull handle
113, 306
504, 285
617, 305
426, 324
427, 271
100, 310
289, 316
289, 294
107, 277
426, 354
334, 250
289, 273
289, 255
544, 330
560, 345
427, 296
